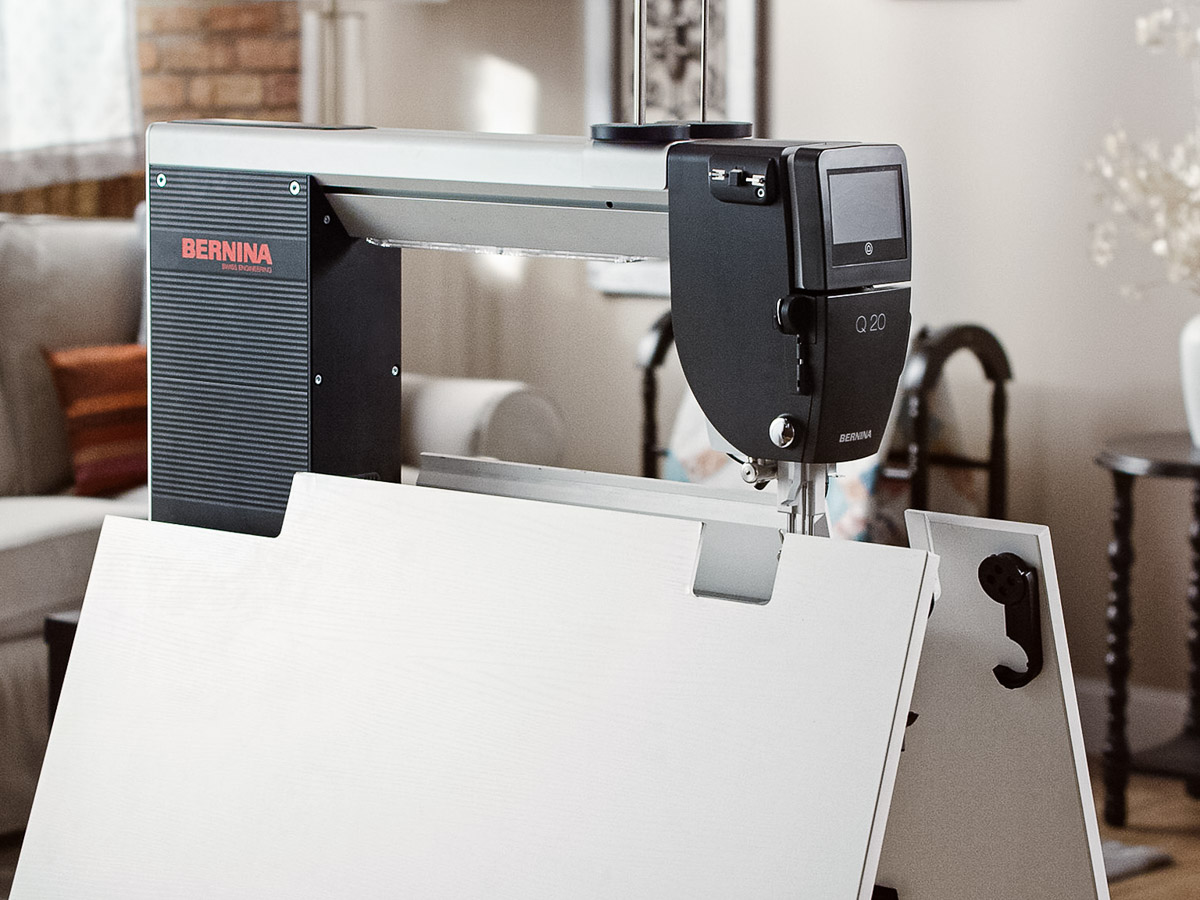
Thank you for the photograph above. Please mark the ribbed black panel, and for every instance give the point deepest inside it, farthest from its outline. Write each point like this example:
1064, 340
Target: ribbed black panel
235, 444
192, 199
229, 350
231, 328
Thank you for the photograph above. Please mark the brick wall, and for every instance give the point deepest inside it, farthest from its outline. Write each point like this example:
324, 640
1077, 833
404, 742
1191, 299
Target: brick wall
199, 59
109, 197
229, 60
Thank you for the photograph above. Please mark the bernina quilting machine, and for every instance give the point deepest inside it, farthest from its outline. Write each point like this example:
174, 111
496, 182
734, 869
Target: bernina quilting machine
274, 269
552, 707
275, 345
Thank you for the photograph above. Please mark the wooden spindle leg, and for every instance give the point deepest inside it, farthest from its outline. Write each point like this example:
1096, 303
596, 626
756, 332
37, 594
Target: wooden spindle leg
1120, 555
1192, 727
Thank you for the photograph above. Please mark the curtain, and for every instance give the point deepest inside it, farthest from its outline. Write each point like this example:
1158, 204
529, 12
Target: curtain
70, 97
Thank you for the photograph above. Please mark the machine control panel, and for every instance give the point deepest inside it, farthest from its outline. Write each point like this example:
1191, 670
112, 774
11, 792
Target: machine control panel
788, 300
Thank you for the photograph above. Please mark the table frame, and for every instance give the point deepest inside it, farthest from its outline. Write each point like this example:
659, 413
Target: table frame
1180, 756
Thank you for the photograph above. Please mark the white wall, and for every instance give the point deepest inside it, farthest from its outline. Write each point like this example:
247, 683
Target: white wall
997, 103
510, 65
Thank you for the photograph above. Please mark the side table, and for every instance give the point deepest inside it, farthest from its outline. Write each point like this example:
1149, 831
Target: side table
1158, 455
59, 633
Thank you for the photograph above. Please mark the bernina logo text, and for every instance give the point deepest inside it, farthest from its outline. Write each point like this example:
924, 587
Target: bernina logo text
854, 436
239, 256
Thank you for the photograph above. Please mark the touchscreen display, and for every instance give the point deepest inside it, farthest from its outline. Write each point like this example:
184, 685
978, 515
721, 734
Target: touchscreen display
866, 205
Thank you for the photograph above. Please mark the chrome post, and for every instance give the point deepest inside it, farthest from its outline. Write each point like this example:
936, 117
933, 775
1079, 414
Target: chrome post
704, 61
639, 60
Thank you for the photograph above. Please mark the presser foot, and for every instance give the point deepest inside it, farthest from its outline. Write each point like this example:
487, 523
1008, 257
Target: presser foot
802, 497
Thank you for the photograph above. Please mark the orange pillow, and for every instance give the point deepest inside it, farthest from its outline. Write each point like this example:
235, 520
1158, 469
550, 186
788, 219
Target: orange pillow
102, 391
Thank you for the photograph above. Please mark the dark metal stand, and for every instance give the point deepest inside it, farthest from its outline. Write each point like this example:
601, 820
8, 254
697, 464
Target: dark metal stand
927, 358
1156, 456
651, 352
1116, 745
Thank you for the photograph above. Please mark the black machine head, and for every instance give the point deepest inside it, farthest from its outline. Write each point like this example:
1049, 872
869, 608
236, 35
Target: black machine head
787, 294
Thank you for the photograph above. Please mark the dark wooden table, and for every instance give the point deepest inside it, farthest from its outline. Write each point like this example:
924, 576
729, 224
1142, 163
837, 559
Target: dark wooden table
1159, 455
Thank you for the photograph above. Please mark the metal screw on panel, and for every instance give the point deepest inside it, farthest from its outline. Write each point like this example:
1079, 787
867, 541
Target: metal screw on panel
327, 220
782, 431
161, 180
294, 187
317, 380
395, 370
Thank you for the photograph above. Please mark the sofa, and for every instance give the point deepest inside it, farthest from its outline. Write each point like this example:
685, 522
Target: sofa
78, 282
63, 283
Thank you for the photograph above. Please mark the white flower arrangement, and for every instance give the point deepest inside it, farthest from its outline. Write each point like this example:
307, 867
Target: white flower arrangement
1156, 191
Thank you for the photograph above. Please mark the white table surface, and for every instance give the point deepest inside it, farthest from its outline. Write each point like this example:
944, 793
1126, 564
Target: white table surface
418, 693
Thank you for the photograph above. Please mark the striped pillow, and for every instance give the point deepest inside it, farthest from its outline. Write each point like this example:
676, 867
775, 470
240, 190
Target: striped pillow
102, 391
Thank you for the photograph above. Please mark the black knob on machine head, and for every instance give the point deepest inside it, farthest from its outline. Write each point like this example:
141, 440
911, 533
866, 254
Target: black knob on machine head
668, 132
797, 314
